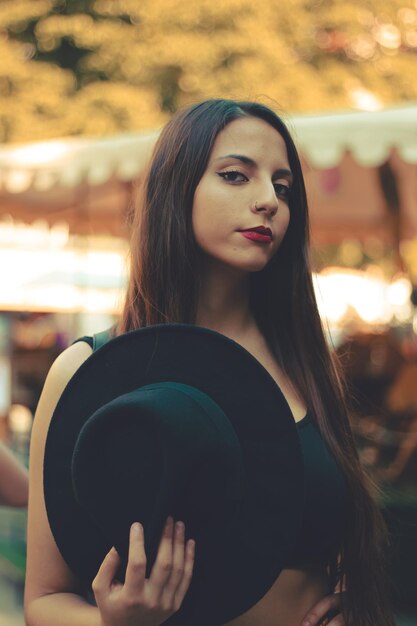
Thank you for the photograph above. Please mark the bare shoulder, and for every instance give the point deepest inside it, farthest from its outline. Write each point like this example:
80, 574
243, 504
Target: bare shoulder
61, 371
66, 364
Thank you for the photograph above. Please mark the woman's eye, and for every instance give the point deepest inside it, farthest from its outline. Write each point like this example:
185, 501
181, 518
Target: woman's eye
282, 190
231, 177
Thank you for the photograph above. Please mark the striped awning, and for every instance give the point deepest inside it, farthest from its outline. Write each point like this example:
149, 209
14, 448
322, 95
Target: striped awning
323, 139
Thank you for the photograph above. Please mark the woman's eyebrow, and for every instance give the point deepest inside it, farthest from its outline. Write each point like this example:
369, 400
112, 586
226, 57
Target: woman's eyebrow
239, 157
248, 161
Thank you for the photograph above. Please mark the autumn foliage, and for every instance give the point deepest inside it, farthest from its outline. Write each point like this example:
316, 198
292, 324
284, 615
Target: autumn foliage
97, 67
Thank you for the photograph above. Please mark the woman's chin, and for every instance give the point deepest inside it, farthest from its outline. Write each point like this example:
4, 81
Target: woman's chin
250, 267
243, 265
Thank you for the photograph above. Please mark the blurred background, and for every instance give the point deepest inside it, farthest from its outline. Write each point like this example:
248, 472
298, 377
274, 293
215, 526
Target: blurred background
85, 87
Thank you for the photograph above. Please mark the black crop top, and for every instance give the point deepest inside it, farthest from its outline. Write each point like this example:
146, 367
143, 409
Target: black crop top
325, 492
325, 500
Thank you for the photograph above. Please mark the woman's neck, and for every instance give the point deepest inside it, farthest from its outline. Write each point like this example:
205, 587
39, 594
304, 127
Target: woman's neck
224, 302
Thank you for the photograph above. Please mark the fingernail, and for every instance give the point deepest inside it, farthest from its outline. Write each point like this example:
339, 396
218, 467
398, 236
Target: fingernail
137, 528
169, 526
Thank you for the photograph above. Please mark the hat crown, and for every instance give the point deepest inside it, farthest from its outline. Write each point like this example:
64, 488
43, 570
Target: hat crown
162, 449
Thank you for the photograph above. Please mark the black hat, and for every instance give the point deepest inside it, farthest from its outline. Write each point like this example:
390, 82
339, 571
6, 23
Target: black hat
175, 419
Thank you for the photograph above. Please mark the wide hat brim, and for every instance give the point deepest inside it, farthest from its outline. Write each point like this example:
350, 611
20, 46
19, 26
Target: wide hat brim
232, 573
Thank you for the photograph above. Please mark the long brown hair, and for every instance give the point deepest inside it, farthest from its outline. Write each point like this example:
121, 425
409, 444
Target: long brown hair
164, 287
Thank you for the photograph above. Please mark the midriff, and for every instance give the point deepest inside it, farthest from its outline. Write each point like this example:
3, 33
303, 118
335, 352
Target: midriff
294, 593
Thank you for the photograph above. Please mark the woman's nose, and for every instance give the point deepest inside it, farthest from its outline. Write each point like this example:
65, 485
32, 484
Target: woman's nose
266, 203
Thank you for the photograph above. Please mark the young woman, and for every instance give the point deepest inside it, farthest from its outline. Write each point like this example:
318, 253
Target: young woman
220, 239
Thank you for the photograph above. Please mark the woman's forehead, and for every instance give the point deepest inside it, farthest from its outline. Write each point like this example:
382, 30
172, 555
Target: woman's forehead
252, 137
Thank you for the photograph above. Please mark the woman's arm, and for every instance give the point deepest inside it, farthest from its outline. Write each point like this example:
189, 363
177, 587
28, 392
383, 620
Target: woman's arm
52, 594
13, 479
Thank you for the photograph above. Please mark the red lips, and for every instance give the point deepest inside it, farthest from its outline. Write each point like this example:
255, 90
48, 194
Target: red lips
263, 230
260, 233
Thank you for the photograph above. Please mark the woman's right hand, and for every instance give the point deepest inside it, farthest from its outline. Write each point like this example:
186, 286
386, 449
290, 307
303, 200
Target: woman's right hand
141, 601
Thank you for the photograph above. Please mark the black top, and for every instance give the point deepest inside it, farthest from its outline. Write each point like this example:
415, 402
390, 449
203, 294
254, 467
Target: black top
325, 502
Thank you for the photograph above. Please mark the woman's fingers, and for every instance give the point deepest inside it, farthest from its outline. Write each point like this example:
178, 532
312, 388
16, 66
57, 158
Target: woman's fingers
169, 584
161, 569
136, 564
187, 574
163, 593
319, 610
106, 573
178, 558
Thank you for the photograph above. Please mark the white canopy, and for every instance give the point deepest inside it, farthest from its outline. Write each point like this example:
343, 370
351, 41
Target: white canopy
86, 181
72, 161
323, 139
368, 135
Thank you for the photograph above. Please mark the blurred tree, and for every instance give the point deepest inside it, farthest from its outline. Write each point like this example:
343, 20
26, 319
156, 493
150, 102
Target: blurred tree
102, 66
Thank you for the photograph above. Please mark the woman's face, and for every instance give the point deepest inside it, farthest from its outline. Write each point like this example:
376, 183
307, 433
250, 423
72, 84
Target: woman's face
245, 185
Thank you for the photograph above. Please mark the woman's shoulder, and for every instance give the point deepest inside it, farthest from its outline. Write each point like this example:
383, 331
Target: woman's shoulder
68, 362
61, 371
